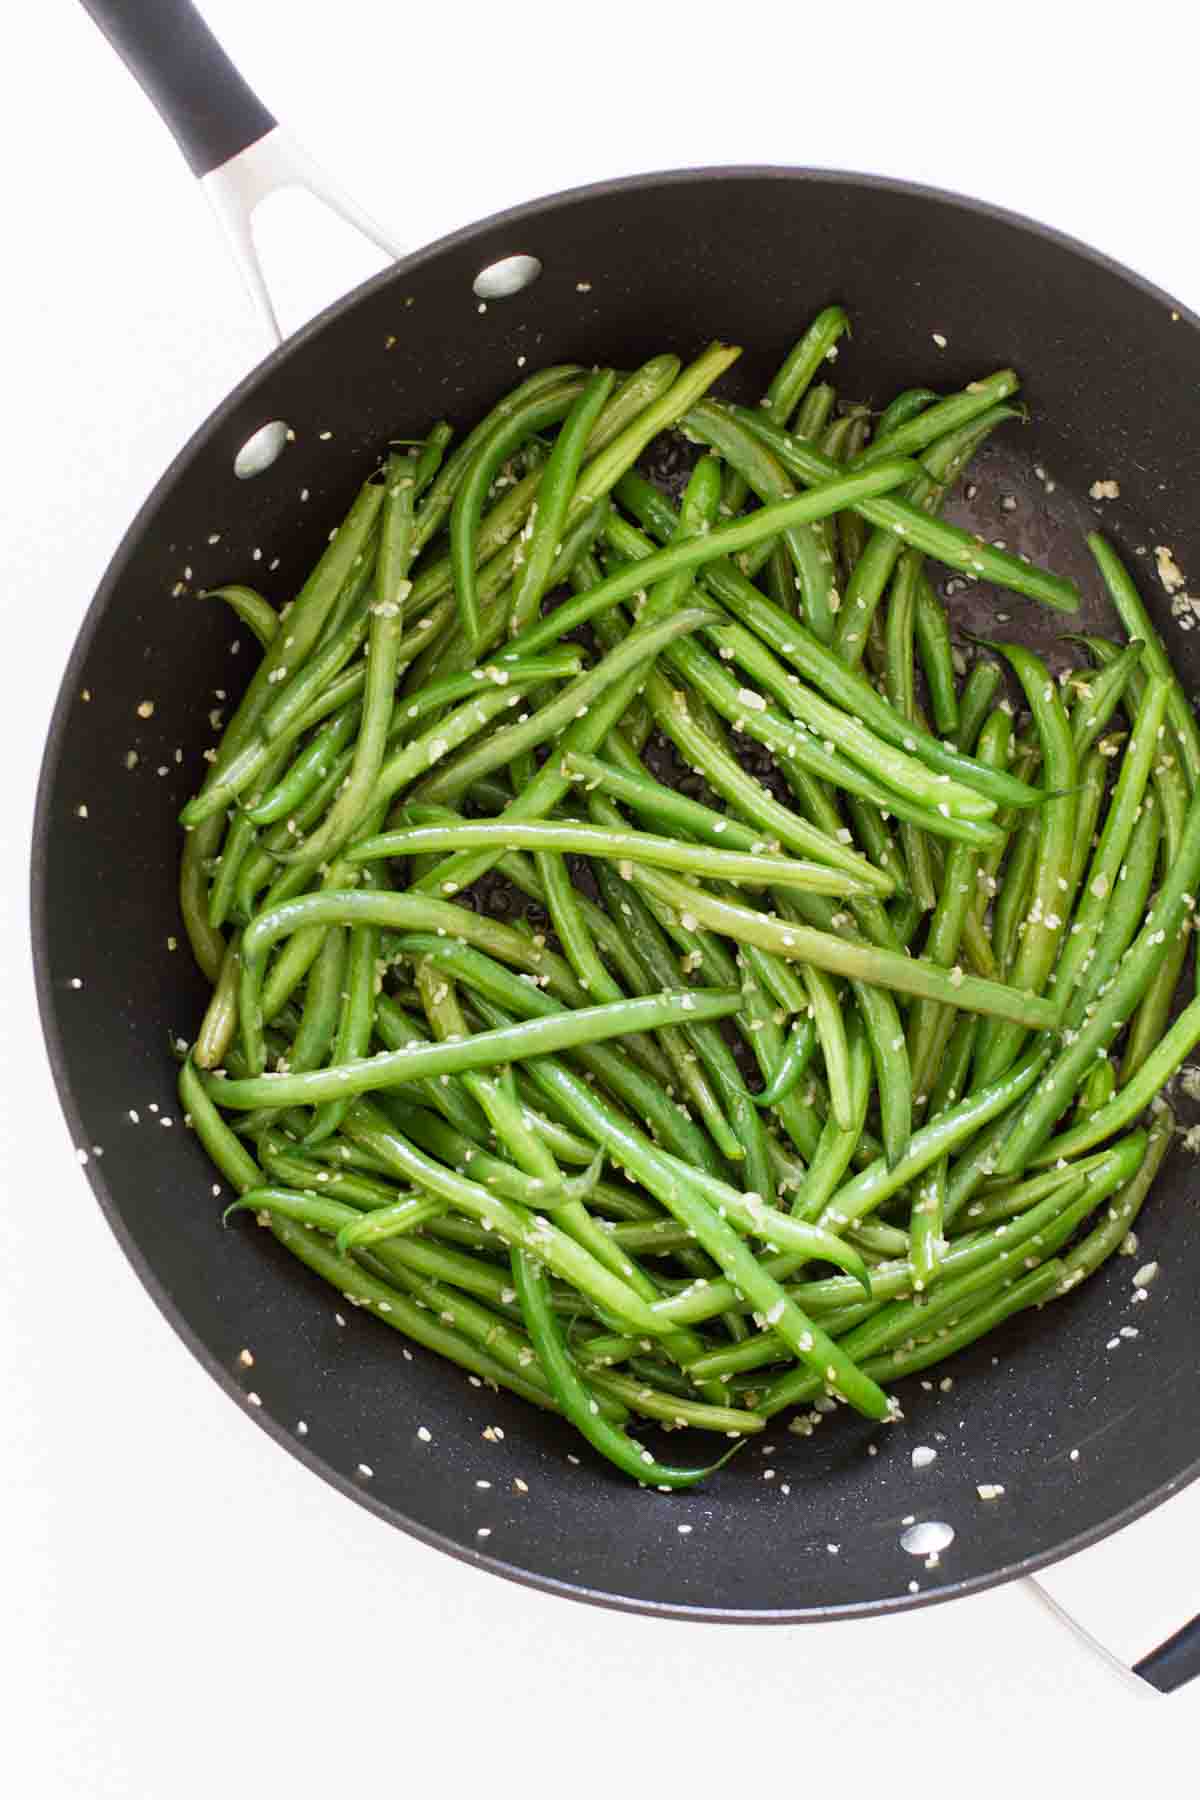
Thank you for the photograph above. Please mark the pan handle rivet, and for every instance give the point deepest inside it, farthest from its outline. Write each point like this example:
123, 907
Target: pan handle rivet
501, 280
260, 450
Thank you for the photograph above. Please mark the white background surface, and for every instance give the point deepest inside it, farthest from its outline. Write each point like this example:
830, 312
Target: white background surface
186, 1609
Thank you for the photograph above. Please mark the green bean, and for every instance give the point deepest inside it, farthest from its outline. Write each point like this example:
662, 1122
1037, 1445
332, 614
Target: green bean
207, 943
926, 1242
547, 408
644, 1097
1169, 915
322, 996
605, 1273
554, 497
845, 687
1138, 624
383, 650
223, 1148
501, 1109
586, 734
1011, 908
676, 1406
328, 1215
1103, 872
571, 838
837, 1144
440, 495
814, 411
864, 590
1108, 1169
1125, 906
945, 416
250, 607
758, 469
572, 1393
805, 748
899, 411
643, 643
800, 366
1133, 1098
393, 1068
1052, 896
893, 1073
975, 706
666, 807
941, 1137
860, 962
946, 543
1085, 1258
1099, 698
901, 692
513, 1224
1089, 799
933, 643
289, 650
416, 1322
671, 1183
676, 715
306, 770
220, 1018
792, 1065
929, 1025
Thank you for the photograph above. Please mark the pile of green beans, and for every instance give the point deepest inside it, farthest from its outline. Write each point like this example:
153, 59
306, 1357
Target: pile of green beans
637, 935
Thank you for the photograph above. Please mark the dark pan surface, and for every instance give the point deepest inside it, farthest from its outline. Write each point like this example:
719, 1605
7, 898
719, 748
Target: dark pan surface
1111, 377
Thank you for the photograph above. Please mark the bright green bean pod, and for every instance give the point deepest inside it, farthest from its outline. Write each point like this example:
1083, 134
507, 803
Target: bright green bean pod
899, 411
394, 1068
941, 1137
1052, 895
250, 607
574, 1396
1101, 696
937, 659
439, 497
937, 421
841, 956
1123, 911
837, 1144
289, 650
1089, 798
976, 702
416, 1322
893, 1073
563, 837
901, 692
642, 644
846, 688
219, 1024
223, 1148
534, 415
1170, 915
946, 543
554, 498
1085, 1258
1138, 624
1104, 870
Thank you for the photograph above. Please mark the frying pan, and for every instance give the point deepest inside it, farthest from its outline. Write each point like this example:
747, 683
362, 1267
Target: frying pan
1111, 367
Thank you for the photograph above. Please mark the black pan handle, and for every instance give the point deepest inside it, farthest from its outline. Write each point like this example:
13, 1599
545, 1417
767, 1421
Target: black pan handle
1174, 1663
210, 110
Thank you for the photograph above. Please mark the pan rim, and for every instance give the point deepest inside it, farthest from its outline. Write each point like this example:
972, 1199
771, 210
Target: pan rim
54, 1036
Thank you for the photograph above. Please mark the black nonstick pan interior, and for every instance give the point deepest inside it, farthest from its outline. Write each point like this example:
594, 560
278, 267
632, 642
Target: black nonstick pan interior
1110, 372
